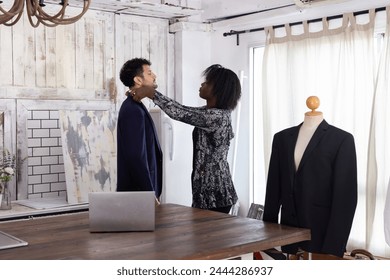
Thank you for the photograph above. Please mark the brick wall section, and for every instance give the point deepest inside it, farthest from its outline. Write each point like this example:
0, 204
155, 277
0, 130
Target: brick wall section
46, 174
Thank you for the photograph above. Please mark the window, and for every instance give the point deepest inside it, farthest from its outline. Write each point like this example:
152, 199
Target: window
363, 215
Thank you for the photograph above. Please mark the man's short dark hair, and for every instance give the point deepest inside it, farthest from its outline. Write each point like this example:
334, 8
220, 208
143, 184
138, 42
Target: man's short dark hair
131, 69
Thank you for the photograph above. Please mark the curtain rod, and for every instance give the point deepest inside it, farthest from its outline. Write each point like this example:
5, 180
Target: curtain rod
237, 33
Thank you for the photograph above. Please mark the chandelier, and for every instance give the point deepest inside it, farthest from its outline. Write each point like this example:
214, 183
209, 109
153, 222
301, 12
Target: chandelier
11, 13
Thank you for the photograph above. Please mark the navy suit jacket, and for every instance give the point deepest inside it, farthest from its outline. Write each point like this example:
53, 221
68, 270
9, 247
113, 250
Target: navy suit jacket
139, 156
321, 194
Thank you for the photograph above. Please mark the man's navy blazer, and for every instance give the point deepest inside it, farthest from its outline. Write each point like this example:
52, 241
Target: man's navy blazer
321, 194
139, 156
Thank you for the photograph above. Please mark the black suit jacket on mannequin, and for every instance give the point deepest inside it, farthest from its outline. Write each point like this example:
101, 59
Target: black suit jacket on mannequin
139, 156
321, 194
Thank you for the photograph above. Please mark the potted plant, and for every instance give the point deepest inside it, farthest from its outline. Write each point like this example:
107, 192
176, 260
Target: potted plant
7, 171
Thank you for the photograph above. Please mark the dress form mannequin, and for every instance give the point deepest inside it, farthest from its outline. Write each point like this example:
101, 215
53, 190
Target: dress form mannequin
321, 194
311, 121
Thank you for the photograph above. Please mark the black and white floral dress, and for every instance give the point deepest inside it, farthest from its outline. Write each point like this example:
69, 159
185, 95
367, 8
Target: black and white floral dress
212, 185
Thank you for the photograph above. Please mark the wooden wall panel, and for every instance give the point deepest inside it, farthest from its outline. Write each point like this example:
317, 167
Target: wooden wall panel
126, 40
143, 37
28, 56
65, 56
40, 45
136, 41
75, 56
18, 47
74, 67
110, 52
84, 57
50, 58
1, 131
158, 51
6, 66
99, 54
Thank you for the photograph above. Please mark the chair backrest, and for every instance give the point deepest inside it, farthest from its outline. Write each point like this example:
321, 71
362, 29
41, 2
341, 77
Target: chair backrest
255, 211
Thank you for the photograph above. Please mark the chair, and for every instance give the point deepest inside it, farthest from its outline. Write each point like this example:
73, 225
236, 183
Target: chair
256, 212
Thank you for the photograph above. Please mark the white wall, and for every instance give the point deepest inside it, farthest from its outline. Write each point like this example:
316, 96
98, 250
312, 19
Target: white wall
238, 58
194, 51
192, 56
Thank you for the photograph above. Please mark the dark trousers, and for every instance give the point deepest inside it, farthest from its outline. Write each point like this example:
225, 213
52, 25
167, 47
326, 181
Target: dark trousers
221, 209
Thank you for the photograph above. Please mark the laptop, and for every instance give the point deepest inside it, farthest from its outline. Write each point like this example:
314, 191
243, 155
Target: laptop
9, 241
121, 211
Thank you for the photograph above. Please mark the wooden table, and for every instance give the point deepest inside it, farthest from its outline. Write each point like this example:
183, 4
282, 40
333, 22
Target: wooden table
181, 233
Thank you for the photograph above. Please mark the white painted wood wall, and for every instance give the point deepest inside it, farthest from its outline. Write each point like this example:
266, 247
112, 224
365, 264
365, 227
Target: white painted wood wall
71, 67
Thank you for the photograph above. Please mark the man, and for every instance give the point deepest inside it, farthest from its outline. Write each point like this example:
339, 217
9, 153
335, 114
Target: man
139, 160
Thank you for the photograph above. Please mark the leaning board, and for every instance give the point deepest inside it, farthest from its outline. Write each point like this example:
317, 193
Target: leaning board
89, 149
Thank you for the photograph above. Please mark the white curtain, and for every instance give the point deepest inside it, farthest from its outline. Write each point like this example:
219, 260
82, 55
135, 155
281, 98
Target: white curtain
386, 216
337, 64
378, 165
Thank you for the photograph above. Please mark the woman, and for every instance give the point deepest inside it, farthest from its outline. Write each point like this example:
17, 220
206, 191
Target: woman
212, 185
